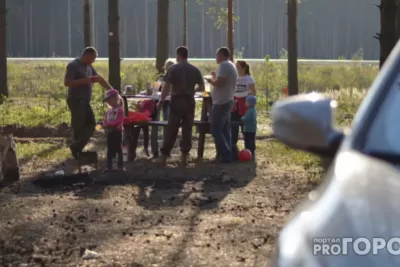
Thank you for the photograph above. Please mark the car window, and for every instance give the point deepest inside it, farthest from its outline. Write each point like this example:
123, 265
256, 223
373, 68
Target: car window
385, 131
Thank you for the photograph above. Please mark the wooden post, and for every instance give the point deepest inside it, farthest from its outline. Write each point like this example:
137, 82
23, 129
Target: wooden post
202, 129
3, 50
114, 60
388, 36
292, 48
162, 34
185, 22
87, 24
230, 28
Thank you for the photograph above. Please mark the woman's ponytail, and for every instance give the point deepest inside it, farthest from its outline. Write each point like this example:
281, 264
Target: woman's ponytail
247, 69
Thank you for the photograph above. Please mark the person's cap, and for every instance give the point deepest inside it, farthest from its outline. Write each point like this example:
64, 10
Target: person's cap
251, 99
110, 93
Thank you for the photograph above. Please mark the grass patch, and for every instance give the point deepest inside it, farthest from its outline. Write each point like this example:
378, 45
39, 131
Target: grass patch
37, 94
41, 154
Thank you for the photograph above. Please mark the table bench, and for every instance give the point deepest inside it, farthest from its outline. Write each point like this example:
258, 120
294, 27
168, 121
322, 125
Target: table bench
132, 132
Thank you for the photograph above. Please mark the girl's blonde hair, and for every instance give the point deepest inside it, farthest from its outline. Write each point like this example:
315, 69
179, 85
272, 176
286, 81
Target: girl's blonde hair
168, 64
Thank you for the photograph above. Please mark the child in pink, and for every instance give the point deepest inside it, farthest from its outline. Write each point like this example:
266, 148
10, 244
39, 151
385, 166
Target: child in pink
114, 126
147, 107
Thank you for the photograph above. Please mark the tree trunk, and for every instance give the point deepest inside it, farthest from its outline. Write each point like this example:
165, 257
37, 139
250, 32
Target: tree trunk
114, 60
146, 29
292, 48
230, 28
185, 22
398, 19
162, 34
30, 29
3, 50
87, 24
69, 29
388, 36
93, 24
262, 29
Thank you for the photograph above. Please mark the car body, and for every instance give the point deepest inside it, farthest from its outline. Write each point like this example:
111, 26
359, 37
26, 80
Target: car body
9, 167
360, 193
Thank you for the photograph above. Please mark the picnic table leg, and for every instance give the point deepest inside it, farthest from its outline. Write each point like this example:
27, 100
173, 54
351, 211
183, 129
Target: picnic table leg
128, 140
154, 135
133, 143
202, 128
126, 109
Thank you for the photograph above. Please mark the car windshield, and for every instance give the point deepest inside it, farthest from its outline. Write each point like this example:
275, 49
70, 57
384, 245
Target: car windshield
383, 139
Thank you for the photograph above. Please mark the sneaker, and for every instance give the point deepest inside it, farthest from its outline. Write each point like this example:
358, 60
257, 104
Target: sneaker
216, 160
75, 154
162, 160
146, 152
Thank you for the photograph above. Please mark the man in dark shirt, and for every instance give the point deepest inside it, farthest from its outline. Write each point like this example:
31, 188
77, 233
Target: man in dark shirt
79, 78
180, 81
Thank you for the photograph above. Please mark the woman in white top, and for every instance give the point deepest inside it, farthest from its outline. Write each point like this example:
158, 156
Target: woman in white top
245, 86
164, 111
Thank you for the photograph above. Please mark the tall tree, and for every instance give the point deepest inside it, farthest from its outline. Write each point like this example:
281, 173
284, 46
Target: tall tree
87, 24
146, 29
114, 60
388, 36
69, 29
162, 34
185, 22
223, 17
398, 19
293, 85
230, 28
3, 50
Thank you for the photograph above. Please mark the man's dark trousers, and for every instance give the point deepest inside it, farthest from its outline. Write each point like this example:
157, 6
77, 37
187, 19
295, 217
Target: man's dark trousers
182, 108
83, 122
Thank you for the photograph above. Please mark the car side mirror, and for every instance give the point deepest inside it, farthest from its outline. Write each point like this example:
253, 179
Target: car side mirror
305, 122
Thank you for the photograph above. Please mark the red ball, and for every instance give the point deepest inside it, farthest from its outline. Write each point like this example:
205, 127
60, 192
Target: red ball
245, 155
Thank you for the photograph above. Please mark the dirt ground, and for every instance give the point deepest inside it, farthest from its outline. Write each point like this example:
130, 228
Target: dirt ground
203, 215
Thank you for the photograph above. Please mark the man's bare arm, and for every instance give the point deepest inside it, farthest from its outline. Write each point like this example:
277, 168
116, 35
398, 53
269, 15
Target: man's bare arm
104, 83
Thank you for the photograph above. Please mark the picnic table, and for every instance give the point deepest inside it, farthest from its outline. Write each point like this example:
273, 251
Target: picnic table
132, 130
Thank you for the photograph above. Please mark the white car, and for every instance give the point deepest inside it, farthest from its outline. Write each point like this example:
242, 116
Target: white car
353, 218
9, 167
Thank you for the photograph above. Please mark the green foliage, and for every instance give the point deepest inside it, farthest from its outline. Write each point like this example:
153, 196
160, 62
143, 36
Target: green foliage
218, 14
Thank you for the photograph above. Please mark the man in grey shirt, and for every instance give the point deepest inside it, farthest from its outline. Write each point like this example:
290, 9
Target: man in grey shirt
79, 78
180, 80
222, 98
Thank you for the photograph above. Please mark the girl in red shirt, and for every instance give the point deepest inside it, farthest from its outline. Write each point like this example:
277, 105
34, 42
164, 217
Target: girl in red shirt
245, 86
